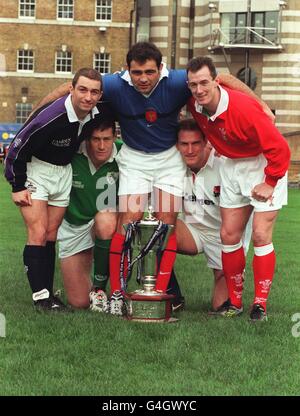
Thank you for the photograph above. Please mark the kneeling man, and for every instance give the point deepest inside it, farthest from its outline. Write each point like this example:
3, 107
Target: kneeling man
91, 213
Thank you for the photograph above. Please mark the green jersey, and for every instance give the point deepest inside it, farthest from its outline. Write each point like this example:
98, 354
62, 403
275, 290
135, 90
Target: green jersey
92, 190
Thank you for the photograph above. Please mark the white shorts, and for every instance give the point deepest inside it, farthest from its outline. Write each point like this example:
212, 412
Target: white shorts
238, 178
140, 172
73, 239
47, 182
208, 241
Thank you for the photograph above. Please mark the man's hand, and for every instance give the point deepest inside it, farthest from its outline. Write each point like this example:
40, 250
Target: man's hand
263, 192
22, 198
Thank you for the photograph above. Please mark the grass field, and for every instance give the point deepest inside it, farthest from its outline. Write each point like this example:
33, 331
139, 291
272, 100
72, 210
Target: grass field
85, 353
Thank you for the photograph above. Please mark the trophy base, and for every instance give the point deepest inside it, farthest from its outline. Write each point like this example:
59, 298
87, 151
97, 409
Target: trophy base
144, 306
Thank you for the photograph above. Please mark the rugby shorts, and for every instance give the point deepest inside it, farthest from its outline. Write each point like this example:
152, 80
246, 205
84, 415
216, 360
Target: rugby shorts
140, 172
238, 178
73, 239
48, 182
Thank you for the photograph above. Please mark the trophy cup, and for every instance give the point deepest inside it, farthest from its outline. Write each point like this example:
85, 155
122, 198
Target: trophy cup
147, 304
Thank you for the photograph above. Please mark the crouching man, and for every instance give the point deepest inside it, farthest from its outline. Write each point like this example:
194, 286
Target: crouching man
91, 215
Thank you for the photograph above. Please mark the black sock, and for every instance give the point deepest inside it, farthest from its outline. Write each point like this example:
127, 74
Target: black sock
173, 287
34, 258
50, 265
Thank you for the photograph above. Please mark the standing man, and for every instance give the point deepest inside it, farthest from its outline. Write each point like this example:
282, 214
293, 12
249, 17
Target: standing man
198, 227
39, 171
148, 98
92, 212
253, 178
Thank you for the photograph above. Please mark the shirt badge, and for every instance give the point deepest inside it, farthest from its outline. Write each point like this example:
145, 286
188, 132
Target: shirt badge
217, 190
151, 115
222, 131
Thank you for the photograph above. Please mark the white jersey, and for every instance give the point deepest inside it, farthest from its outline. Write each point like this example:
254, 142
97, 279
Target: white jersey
202, 194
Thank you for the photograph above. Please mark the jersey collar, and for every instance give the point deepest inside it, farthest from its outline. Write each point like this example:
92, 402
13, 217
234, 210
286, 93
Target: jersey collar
164, 73
83, 150
72, 115
222, 106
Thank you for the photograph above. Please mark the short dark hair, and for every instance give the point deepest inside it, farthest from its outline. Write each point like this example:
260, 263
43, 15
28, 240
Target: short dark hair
189, 124
199, 62
99, 124
142, 52
88, 73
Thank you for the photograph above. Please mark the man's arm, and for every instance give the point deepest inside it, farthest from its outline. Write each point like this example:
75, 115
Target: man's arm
61, 90
235, 84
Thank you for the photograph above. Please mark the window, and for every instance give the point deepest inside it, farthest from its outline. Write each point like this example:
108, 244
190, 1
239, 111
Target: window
63, 62
102, 62
103, 9
25, 60
27, 8
22, 112
235, 30
265, 24
65, 9
233, 27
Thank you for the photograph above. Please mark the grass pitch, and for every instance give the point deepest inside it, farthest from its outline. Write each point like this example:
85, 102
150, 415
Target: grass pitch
88, 354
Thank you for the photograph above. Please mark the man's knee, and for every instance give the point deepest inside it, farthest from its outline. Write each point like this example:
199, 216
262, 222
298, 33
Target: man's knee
105, 225
230, 236
37, 234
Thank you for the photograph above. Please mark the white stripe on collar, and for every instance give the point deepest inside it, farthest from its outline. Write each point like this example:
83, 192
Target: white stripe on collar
163, 74
222, 106
72, 115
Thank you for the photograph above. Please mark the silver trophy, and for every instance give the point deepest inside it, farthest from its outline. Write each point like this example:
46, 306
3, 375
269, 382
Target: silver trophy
147, 304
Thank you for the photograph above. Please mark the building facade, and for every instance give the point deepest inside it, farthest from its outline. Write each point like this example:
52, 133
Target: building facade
43, 43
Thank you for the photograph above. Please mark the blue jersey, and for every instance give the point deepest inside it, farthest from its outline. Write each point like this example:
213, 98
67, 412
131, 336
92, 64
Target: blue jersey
148, 123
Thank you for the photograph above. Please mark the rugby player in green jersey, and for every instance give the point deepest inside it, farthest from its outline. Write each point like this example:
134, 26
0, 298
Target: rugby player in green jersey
91, 218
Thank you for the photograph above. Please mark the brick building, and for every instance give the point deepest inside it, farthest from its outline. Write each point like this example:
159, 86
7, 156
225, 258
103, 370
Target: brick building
43, 43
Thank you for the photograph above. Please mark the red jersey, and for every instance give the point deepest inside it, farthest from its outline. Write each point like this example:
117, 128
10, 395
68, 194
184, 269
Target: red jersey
244, 130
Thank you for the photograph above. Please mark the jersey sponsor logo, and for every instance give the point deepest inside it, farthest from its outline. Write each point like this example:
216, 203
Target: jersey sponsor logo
78, 184
151, 116
201, 201
17, 142
61, 142
217, 190
112, 177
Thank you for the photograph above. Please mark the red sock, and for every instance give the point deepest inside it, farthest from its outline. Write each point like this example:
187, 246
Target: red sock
166, 264
115, 252
263, 270
233, 267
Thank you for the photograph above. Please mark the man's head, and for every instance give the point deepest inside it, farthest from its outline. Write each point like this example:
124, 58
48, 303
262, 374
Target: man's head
202, 82
85, 91
100, 140
144, 66
192, 144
